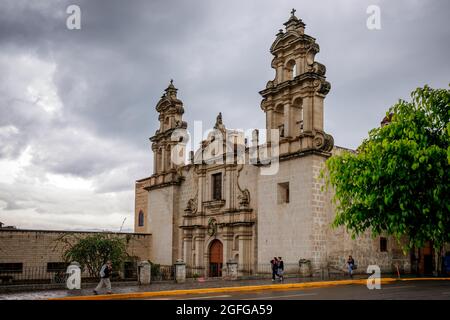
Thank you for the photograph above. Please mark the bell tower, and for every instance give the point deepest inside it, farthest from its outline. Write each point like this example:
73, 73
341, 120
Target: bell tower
293, 100
170, 110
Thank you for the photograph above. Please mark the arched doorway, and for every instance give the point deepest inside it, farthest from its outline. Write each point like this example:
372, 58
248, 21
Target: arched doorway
215, 258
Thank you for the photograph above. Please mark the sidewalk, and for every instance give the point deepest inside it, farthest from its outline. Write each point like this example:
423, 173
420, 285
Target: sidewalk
155, 286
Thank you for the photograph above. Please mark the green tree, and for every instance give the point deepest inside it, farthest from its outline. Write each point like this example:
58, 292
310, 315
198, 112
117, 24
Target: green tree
93, 251
397, 182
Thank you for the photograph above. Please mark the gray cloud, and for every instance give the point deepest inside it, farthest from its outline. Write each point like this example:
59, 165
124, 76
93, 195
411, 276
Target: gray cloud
104, 80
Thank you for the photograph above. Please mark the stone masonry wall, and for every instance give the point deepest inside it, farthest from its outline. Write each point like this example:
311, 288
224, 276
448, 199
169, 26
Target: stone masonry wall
286, 229
161, 223
365, 249
35, 248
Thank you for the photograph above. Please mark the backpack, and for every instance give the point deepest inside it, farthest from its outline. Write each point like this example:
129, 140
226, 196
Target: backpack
102, 271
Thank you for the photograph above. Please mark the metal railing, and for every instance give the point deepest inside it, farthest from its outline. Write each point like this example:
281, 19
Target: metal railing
195, 272
162, 272
43, 275
32, 275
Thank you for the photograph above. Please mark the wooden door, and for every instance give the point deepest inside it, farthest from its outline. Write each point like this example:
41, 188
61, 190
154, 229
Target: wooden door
215, 259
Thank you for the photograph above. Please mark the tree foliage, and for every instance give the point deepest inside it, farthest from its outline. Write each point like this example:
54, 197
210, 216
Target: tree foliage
397, 182
93, 251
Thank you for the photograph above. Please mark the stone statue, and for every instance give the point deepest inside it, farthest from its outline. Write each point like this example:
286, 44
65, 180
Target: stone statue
192, 205
244, 199
219, 123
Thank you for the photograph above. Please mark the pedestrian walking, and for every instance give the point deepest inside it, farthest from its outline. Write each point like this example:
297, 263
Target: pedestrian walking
351, 266
105, 274
280, 268
274, 265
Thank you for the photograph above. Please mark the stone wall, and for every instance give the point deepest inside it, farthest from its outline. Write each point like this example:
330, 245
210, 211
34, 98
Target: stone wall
365, 249
286, 229
35, 248
161, 212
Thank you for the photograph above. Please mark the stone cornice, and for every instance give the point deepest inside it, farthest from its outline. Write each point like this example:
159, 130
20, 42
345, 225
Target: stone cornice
299, 154
287, 85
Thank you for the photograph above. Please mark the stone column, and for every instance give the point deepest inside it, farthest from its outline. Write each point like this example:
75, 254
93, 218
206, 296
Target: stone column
201, 186
168, 157
288, 120
180, 271
144, 272
227, 243
229, 184
187, 248
163, 159
245, 250
318, 113
307, 114
170, 163
279, 72
269, 123
199, 251
74, 278
155, 159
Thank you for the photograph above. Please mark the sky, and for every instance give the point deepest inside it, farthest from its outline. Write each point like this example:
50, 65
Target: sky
77, 106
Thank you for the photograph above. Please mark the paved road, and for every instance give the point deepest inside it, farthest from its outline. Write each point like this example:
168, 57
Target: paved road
409, 290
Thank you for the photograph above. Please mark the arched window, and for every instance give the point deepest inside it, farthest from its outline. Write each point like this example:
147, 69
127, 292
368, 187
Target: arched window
291, 70
141, 218
298, 114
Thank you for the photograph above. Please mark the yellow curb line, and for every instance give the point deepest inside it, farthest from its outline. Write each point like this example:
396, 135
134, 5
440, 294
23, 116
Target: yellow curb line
427, 279
219, 290
138, 295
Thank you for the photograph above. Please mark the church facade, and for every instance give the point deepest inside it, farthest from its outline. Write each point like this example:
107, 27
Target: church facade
247, 201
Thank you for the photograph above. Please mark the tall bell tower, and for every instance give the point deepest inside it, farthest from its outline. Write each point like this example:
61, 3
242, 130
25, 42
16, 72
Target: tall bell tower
164, 184
170, 110
293, 100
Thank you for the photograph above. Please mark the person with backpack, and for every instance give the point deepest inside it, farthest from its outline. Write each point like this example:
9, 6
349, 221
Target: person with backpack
105, 274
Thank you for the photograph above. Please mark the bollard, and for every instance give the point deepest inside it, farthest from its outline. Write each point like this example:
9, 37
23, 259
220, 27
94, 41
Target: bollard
180, 271
144, 272
232, 270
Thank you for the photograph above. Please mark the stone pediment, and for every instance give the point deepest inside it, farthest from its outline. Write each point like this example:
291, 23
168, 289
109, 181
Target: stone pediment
167, 103
288, 39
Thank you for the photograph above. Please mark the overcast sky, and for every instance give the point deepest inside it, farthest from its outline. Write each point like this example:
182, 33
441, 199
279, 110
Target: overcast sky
77, 106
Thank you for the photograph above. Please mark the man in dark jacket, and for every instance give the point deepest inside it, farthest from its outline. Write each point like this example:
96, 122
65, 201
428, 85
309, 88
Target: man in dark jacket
280, 268
274, 265
105, 274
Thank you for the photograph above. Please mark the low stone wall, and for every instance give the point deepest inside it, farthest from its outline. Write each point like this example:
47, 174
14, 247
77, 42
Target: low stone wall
37, 248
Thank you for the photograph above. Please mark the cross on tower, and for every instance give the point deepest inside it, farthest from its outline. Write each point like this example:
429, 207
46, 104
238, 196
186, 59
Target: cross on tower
293, 11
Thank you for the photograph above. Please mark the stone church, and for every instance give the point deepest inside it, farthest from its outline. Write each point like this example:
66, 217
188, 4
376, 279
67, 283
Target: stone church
207, 213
